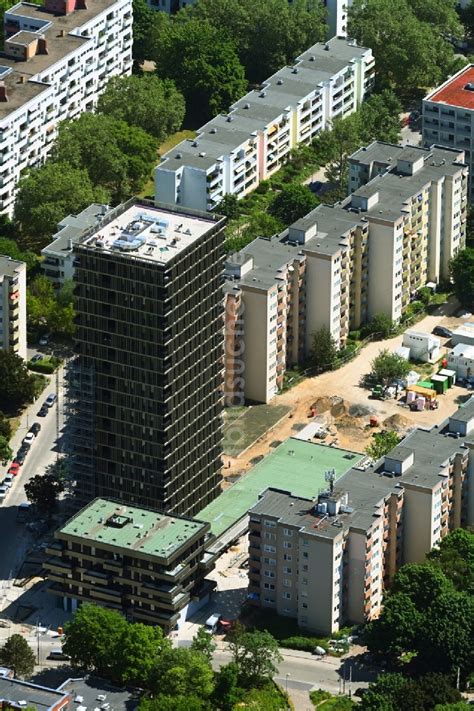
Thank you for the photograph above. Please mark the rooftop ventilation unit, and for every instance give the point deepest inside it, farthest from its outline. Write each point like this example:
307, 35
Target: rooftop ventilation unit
213, 130
262, 94
229, 118
312, 58
280, 82
295, 70
469, 86
246, 106
179, 155
195, 144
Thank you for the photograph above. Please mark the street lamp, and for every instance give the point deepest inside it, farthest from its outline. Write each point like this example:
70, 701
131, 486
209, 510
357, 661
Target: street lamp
286, 682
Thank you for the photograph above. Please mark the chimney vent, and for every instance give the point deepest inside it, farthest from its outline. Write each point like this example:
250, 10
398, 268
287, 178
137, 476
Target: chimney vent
3, 92
62, 33
22, 79
42, 46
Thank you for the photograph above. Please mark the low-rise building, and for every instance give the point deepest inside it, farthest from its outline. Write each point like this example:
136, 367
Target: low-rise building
13, 306
233, 153
326, 561
461, 360
17, 694
463, 334
56, 62
58, 262
340, 265
448, 116
146, 564
423, 346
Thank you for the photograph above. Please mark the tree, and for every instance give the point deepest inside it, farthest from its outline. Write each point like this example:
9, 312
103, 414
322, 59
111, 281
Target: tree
255, 654
147, 25
455, 557
379, 118
153, 104
48, 193
11, 249
92, 638
17, 654
5, 427
342, 140
182, 672
227, 691
203, 642
136, 652
17, 386
410, 52
49, 308
267, 34
43, 492
388, 366
6, 451
396, 692
116, 156
165, 702
228, 206
204, 66
323, 349
397, 629
422, 583
292, 202
462, 274
258, 224
380, 325
382, 443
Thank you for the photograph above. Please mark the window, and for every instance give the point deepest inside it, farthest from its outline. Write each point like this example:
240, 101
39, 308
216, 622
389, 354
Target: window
269, 524
269, 573
287, 544
304, 593
305, 554
286, 556
287, 583
287, 596
269, 536
305, 606
306, 543
305, 568
287, 571
287, 532
269, 561
269, 549
305, 581
268, 586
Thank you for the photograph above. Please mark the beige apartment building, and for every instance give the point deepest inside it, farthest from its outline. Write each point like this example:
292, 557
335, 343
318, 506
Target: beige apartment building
340, 265
13, 306
327, 561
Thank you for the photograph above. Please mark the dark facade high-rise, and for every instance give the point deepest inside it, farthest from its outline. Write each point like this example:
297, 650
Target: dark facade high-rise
146, 387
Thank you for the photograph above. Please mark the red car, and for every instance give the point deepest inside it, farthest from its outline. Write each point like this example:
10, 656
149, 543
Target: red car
14, 469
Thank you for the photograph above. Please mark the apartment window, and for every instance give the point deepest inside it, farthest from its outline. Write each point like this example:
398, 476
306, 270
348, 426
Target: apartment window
268, 586
287, 571
269, 524
306, 543
286, 583
304, 581
304, 605
269, 600
269, 536
286, 596
286, 556
269, 561
287, 544
305, 568
269, 573
305, 554
304, 593
269, 549
287, 532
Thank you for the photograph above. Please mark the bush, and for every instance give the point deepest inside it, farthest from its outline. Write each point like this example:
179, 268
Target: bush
263, 187
424, 294
45, 366
304, 644
354, 335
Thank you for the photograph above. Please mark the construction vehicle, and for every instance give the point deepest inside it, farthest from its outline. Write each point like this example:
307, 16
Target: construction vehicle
378, 392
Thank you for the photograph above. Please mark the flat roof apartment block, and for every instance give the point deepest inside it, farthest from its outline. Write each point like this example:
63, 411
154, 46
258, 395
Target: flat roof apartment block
17, 694
339, 265
326, 560
232, 153
146, 390
146, 564
13, 306
56, 62
448, 116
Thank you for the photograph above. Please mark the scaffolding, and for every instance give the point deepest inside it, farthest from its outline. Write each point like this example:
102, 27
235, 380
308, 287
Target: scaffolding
79, 414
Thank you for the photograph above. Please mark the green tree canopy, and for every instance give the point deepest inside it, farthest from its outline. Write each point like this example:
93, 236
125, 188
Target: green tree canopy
255, 654
397, 629
203, 642
182, 672
379, 118
167, 702
10, 248
380, 325
462, 274
136, 652
203, 65
258, 224
411, 52
6, 451
228, 206
267, 34
92, 638
147, 24
227, 691
17, 386
43, 491
382, 443
49, 308
116, 156
396, 692
455, 557
388, 366
48, 193
341, 140
292, 202
5, 426
17, 654
153, 104
323, 349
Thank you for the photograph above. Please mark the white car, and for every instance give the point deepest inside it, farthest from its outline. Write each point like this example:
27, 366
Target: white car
8, 480
3, 492
29, 439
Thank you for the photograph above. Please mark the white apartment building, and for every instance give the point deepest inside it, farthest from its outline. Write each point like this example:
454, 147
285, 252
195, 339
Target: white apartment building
13, 306
56, 62
337, 17
327, 561
461, 360
448, 116
340, 265
232, 153
58, 262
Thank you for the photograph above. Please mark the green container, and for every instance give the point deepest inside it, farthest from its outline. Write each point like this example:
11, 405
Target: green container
440, 383
426, 384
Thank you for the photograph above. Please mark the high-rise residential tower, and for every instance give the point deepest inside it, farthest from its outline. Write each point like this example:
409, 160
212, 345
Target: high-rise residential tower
146, 390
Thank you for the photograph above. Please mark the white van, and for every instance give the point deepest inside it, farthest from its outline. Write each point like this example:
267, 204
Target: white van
212, 623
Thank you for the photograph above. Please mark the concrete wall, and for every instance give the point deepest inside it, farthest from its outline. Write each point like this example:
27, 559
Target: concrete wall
417, 523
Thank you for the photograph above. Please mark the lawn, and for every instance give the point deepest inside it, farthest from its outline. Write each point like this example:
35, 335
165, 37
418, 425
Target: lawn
244, 427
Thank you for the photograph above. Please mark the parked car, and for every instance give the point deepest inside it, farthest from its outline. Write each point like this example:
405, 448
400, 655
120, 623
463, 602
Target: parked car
20, 456
212, 623
29, 439
8, 480
35, 428
50, 400
3, 492
43, 411
59, 655
442, 331
44, 340
36, 357
14, 468
319, 651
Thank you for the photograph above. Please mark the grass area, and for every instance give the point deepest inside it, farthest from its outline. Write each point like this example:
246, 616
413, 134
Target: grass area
244, 428
424, 369
48, 364
337, 703
40, 383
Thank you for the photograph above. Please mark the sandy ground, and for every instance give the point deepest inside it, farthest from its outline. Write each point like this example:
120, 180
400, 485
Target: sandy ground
351, 432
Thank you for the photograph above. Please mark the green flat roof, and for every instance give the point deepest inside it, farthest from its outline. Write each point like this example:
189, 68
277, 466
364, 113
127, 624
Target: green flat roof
142, 530
295, 465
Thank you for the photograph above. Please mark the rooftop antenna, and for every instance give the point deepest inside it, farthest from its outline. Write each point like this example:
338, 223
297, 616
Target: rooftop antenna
330, 476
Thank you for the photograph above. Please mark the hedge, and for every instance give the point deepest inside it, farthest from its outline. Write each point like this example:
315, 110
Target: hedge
44, 366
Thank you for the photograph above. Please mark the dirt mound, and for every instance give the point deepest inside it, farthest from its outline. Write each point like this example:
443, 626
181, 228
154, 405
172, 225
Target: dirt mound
397, 423
335, 405
360, 411
339, 407
322, 404
348, 422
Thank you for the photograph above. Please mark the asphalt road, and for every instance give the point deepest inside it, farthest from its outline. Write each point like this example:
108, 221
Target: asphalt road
14, 538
